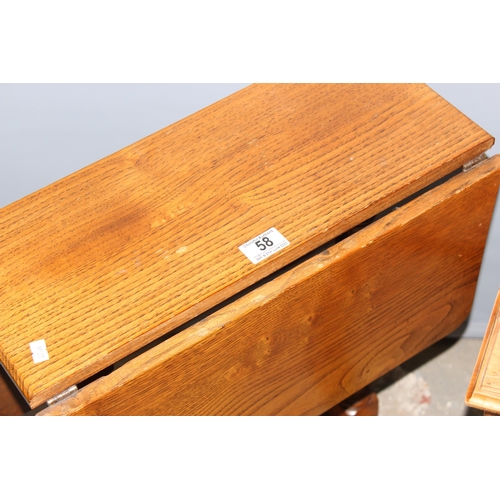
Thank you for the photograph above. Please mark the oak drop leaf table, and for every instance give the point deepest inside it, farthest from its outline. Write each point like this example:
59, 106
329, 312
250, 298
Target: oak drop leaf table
273, 253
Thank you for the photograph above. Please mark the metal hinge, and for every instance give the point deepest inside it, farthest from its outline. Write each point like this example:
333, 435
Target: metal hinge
64, 394
474, 163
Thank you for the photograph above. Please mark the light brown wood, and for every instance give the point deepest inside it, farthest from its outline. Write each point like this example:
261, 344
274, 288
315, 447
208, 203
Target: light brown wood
324, 329
112, 257
484, 387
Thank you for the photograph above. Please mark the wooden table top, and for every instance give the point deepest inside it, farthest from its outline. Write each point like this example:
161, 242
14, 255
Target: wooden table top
484, 387
110, 258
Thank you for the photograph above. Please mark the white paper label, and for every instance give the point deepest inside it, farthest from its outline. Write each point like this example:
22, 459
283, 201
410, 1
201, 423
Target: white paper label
263, 246
39, 351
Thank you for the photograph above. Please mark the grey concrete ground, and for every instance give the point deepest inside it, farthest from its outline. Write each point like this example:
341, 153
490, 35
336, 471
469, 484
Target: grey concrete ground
432, 383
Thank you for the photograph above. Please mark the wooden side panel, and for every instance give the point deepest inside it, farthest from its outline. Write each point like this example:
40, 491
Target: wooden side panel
11, 402
484, 388
112, 257
320, 332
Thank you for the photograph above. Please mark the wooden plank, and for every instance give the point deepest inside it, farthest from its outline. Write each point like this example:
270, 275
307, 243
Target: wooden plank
484, 387
112, 257
321, 331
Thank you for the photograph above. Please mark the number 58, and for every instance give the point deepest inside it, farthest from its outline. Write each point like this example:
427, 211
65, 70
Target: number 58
262, 245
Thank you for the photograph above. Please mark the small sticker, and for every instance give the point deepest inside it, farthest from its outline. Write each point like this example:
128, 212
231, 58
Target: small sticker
39, 351
263, 246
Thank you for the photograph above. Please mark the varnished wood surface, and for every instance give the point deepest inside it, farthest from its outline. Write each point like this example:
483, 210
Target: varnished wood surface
115, 255
484, 388
325, 329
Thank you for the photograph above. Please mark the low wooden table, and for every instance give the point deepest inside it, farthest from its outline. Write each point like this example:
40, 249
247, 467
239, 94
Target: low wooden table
273, 253
484, 388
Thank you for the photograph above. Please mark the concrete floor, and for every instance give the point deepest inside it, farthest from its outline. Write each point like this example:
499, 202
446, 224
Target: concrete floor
432, 383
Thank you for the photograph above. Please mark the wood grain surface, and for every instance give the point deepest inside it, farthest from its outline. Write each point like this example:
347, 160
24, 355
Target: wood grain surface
110, 258
484, 387
324, 329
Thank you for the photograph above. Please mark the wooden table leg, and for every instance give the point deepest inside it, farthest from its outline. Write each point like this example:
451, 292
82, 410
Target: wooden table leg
362, 404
